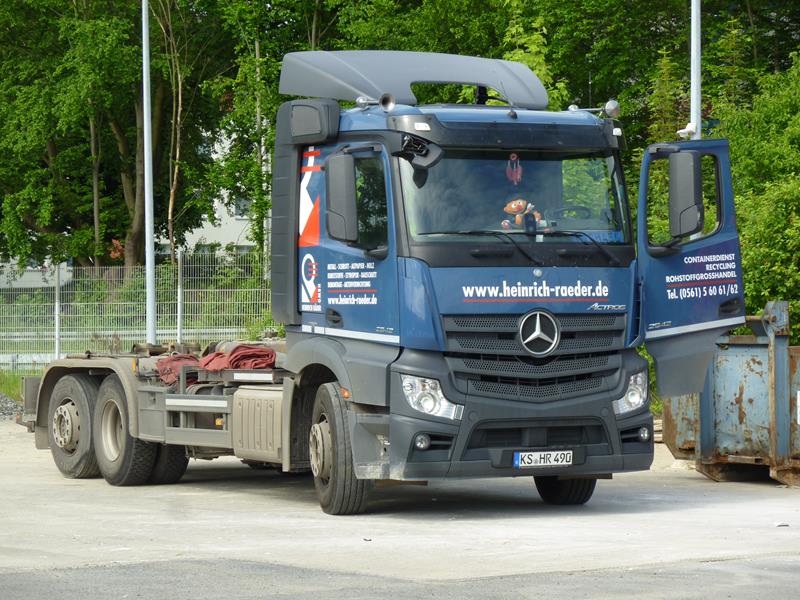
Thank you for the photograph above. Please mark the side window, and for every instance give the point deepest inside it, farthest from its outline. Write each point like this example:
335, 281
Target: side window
658, 201
587, 183
589, 193
371, 203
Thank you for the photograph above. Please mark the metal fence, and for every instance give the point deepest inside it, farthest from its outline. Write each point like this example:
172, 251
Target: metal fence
202, 297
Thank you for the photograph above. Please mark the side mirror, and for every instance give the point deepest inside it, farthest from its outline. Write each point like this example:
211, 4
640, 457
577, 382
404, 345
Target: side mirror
685, 194
341, 214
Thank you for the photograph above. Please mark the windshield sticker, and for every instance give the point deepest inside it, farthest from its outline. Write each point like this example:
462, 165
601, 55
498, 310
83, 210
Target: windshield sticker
310, 292
539, 291
514, 169
352, 283
712, 275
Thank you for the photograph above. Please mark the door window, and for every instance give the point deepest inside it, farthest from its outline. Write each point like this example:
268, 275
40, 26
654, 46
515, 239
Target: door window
658, 201
371, 203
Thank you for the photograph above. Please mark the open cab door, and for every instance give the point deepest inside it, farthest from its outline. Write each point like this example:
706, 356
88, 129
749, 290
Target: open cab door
690, 265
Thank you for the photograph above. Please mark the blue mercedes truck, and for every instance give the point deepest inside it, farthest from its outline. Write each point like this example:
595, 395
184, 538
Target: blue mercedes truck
463, 289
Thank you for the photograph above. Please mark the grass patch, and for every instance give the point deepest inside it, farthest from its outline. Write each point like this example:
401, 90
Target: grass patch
10, 383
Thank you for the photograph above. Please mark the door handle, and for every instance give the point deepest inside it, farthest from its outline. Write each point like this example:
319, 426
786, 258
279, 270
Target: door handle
333, 318
731, 307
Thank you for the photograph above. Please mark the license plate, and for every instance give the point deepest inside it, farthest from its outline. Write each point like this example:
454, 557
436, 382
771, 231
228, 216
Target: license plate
550, 458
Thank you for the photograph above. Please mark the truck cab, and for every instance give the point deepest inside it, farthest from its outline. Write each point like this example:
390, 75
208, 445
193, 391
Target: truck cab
463, 288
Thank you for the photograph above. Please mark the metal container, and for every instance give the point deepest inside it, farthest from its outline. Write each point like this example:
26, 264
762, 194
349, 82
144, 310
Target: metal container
748, 416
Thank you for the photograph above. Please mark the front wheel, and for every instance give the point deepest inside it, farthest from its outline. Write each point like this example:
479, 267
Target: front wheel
564, 491
331, 455
123, 459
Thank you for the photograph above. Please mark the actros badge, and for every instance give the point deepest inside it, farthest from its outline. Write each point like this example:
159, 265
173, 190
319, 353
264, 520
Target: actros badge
539, 333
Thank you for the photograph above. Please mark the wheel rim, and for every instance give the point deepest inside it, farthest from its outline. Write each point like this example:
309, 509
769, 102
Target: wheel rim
67, 426
113, 432
320, 449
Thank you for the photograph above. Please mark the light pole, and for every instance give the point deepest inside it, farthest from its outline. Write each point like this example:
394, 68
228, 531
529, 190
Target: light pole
149, 241
695, 116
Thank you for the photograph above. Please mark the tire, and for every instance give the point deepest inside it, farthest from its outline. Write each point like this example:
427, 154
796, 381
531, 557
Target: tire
564, 492
338, 490
123, 460
170, 464
69, 426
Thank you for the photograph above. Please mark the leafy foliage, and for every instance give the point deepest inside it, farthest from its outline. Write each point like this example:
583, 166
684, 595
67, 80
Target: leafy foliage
64, 65
80, 62
765, 148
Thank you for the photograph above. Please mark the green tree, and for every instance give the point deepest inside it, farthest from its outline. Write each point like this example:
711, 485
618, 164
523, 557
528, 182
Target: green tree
72, 131
730, 74
765, 155
524, 41
249, 99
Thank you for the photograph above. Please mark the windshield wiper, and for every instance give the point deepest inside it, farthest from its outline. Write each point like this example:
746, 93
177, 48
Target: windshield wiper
582, 234
501, 235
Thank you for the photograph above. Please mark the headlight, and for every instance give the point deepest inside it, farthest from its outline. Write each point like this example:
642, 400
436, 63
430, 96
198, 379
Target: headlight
425, 395
635, 396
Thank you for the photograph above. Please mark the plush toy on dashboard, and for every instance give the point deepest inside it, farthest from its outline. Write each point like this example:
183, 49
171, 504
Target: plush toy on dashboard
519, 208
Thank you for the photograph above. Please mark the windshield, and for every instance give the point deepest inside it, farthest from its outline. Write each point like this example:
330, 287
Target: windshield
533, 194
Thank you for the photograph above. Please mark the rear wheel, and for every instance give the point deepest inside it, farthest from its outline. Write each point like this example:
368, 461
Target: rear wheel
564, 491
69, 429
170, 464
123, 459
339, 492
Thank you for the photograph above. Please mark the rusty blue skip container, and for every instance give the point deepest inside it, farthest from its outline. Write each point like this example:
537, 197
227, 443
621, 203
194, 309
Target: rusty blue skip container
748, 416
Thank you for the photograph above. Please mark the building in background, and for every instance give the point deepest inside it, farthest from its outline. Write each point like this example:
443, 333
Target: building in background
33, 276
231, 230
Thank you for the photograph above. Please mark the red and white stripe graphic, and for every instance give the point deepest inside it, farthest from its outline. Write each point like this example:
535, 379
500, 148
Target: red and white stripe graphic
309, 209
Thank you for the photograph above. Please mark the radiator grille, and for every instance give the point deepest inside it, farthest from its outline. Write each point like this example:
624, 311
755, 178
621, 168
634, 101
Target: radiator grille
486, 357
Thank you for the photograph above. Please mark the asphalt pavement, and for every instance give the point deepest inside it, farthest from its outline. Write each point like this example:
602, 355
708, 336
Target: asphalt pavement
227, 531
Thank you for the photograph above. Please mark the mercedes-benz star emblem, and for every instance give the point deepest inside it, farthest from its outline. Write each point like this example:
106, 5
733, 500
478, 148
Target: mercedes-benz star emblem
538, 332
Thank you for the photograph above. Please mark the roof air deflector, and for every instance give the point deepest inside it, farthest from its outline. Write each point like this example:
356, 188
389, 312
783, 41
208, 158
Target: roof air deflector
346, 75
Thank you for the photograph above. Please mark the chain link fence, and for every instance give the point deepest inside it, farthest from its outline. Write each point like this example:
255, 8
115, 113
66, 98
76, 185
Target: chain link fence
51, 312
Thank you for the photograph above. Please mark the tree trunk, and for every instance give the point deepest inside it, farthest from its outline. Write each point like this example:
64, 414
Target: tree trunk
133, 178
753, 33
134, 239
126, 175
95, 149
256, 218
173, 188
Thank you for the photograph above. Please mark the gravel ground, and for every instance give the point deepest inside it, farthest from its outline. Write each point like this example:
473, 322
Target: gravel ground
228, 532
8, 407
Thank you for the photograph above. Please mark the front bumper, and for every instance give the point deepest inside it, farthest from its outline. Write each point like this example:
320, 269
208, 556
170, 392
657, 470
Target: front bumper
482, 444
457, 459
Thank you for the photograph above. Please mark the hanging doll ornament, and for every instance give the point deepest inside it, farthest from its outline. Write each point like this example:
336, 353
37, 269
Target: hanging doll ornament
514, 169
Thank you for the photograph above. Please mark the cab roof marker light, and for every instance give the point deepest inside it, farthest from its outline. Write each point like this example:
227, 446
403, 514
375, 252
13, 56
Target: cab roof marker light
611, 109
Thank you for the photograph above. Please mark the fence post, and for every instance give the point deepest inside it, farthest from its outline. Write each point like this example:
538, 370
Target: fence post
57, 312
179, 325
